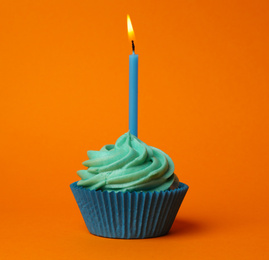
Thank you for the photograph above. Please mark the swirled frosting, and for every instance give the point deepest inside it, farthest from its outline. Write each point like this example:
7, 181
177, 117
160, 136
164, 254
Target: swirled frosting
129, 165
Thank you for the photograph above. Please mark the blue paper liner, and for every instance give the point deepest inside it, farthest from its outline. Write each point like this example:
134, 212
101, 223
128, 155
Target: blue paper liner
129, 214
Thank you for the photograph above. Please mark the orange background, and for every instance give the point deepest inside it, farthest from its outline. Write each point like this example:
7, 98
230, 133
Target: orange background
203, 99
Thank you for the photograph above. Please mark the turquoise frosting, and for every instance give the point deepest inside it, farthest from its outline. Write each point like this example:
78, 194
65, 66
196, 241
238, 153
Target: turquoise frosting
129, 165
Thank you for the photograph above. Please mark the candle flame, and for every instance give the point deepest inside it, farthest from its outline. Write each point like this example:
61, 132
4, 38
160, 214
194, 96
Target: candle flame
130, 29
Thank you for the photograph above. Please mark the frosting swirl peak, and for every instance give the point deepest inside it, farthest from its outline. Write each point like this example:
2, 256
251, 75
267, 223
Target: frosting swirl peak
129, 165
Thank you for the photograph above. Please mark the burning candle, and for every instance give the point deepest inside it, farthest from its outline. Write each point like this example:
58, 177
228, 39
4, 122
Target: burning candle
133, 81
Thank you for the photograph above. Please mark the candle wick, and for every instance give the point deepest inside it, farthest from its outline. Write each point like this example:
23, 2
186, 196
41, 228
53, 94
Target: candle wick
133, 46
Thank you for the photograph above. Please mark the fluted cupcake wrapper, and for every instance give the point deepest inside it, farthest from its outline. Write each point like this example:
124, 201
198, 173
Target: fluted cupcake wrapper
129, 214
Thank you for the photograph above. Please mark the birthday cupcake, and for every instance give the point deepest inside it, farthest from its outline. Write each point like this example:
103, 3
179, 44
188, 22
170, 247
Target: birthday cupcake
129, 190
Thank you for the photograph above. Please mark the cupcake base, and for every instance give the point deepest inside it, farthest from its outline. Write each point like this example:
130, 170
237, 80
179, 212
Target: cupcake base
129, 215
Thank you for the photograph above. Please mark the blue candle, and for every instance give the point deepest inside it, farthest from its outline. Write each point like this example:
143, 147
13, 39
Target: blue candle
133, 83
133, 93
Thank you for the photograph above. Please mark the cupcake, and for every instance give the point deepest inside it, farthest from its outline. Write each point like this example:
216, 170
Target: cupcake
129, 190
